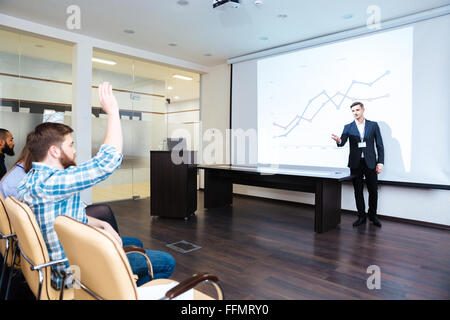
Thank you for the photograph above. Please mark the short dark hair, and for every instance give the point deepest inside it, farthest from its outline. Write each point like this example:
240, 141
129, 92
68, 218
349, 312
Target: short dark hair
357, 103
44, 136
3, 133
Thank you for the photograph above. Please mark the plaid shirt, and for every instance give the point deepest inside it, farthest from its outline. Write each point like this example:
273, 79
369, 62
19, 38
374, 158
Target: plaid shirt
51, 192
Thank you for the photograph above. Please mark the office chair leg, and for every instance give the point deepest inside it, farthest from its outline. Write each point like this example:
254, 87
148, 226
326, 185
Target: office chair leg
5, 260
41, 280
13, 261
63, 285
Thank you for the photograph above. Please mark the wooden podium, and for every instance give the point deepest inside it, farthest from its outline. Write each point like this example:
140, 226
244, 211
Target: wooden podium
173, 185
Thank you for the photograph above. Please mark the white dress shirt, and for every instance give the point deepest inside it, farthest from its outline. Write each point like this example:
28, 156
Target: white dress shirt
361, 127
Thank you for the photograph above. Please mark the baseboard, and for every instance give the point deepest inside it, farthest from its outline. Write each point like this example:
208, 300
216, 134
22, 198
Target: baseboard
388, 218
403, 220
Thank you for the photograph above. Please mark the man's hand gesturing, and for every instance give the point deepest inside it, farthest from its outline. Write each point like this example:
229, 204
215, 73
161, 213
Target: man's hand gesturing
336, 138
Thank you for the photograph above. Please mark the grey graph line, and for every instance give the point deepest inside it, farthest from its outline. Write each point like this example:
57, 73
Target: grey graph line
338, 106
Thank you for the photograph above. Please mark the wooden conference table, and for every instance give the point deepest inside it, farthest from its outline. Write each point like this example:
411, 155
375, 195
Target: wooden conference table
324, 183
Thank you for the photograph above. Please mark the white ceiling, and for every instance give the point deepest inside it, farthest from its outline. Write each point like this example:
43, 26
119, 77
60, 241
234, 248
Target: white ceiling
197, 29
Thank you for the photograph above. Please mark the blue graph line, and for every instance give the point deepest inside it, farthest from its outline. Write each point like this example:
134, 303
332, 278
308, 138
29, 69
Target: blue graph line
345, 95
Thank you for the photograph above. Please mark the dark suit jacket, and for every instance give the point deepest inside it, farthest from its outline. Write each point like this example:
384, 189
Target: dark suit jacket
372, 136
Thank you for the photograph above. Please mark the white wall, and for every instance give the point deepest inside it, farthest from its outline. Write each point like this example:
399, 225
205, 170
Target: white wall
215, 108
419, 204
183, 120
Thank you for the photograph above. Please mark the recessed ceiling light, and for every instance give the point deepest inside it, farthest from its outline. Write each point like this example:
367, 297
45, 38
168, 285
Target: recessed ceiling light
182, 2
181, 77
169, 88
176, 97
282, 16
263, 38
172, 44
347, 16
129, 31
110, 62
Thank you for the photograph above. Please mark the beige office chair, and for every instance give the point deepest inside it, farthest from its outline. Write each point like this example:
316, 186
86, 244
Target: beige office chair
36, 263
7, 248
104, 270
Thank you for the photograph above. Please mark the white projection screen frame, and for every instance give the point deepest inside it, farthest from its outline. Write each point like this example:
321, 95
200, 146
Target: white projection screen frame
294, 101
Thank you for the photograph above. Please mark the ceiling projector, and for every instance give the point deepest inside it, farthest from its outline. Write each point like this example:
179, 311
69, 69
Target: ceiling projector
224, 4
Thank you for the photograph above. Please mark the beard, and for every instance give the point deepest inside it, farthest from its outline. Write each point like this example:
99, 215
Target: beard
66, 161
7, 150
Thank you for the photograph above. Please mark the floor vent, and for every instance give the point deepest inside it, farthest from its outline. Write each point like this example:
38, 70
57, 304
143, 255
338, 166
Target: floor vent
183, 246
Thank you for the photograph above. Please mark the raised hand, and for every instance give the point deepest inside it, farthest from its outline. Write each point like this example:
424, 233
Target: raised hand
107, 99
109, 104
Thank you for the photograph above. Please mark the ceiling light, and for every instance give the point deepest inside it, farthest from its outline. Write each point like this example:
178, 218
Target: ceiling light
181, 77
176, 97
110, 62
169, 88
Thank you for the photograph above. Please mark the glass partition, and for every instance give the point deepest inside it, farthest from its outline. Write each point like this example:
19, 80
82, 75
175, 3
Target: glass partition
35, 76
156, 101
146, 92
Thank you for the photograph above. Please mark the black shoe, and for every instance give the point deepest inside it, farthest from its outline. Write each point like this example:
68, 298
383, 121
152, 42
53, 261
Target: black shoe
375, 221
359, 222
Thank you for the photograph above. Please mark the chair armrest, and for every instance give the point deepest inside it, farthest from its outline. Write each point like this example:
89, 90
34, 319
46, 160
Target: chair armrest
33, 267
128, 249
48, 264
7, 236
136, 249
191, 282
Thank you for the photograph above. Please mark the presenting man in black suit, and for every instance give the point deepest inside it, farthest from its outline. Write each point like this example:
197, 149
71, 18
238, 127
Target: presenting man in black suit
363, 161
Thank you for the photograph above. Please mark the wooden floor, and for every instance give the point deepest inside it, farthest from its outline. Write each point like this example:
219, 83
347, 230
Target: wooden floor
263, 249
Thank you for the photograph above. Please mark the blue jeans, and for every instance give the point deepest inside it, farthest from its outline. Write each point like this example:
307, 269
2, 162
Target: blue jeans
163, 263
130, 241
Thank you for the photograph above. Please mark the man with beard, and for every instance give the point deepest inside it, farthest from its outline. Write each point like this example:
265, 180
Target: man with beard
6, 147
52, 187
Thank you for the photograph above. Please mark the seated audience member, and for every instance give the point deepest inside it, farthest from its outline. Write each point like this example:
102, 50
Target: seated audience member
53, 185
6, 147
11, 180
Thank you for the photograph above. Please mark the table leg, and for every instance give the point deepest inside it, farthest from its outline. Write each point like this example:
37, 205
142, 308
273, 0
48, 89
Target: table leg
218, 191
328, 205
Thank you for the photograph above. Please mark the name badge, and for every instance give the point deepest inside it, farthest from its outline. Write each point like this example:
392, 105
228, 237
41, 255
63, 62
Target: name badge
361, 144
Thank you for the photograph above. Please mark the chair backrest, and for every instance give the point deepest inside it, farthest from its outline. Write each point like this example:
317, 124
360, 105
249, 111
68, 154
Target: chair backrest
103, 266
31, 244
5, 229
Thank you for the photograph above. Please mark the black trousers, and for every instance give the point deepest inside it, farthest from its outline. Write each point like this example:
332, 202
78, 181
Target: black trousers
102, 212
372, 186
